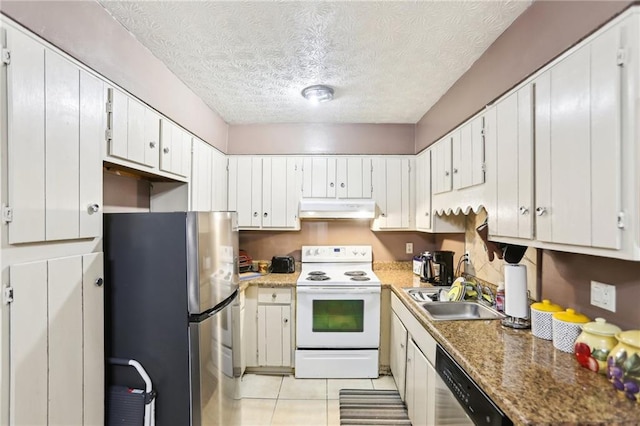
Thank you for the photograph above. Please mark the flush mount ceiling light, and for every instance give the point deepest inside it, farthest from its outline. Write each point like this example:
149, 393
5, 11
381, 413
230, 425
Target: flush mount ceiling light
318, 93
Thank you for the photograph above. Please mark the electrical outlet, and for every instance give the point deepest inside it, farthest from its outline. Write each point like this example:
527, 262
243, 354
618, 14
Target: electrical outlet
603, 295
408, 248
467, 256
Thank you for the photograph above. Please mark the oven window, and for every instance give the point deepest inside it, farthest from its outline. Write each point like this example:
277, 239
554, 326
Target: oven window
338, 316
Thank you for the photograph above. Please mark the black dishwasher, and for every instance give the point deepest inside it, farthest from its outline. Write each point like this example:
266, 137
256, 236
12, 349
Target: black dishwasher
478, 406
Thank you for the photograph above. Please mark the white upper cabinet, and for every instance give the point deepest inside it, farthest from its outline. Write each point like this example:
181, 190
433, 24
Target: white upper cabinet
394, 192
219, 185
265, 191
201, 170
54, 178
578, 147
423, 191
468, 154
341, 177
441, 179
514, 165
175, 149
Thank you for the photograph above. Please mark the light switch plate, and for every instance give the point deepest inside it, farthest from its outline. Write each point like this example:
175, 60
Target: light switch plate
409, 248
603, 295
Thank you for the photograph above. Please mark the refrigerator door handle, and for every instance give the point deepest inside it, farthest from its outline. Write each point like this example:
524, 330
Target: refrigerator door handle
212, 311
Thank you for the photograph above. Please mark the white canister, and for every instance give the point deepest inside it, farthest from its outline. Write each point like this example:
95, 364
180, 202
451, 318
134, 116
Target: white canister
541, 324
567, 328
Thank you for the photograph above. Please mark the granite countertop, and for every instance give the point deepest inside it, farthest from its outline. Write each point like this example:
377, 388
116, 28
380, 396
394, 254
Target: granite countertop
530, 380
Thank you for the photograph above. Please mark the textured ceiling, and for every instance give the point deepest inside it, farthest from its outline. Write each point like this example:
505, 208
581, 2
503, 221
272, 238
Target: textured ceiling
389, 61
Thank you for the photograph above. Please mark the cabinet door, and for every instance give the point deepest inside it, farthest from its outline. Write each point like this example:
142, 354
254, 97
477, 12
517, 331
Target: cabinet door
245, 191
460, 158
135, 132
477, 151
26, 139
91, 137
176, 150
93, 338
319, 177
578, 164
166, 145
62, 159
392, 192
186, 147
280, 192
442, 180
219, 181
353, 177
514, 165
398, 353
201, 176
418, 412
28, 344
274, 335
117, 123
151, 138
65, 340
423, 190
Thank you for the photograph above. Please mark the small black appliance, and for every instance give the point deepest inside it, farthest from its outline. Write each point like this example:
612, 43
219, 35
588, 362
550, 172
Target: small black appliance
283, 265
443, 267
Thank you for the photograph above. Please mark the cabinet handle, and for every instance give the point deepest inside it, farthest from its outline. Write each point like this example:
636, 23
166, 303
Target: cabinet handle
402, 345
446, 173
541, 210
93, 208
342, 185
265, 214
255, 214
99, 282
286, 320
524, 210
152, 144
273, 296
455, 170
166, 150
426, 213
331, 184
383, 214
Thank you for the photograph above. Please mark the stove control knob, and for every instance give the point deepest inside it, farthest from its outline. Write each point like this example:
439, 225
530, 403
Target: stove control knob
363, 253
308, 253
317, 252
355, 252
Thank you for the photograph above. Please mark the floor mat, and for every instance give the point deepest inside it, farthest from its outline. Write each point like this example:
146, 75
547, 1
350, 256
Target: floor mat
372, 407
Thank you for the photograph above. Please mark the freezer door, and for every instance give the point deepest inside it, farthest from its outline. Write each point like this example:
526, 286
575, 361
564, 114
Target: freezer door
212, 256
213, 385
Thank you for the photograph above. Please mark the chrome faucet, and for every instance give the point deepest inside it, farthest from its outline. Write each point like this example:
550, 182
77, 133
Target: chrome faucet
480, 289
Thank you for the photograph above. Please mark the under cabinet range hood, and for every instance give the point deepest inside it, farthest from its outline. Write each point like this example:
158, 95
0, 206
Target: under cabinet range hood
332, 208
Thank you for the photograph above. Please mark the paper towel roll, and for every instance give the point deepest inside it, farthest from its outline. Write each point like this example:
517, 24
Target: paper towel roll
516, 303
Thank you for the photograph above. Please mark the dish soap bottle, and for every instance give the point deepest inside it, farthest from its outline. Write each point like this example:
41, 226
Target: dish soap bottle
500, 297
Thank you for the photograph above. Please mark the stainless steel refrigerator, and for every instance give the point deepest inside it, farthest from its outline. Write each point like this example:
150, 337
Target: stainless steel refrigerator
171, 279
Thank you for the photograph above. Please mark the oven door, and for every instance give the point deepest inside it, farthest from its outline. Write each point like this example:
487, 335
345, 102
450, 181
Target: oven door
338, 317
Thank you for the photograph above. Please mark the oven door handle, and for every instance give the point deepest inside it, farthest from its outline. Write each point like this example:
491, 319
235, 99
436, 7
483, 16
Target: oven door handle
341, 290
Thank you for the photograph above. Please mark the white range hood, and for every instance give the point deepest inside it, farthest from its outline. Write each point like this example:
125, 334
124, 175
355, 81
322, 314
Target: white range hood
337, 208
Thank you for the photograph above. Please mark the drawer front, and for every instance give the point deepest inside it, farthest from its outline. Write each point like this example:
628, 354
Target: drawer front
274, 295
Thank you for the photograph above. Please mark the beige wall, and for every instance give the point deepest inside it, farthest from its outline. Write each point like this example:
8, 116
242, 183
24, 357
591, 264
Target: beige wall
387, 246
541, 33
123, 193
321, 139
85, 30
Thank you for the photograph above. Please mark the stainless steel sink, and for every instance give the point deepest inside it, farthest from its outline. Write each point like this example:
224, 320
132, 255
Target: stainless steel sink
451, 311
425, 294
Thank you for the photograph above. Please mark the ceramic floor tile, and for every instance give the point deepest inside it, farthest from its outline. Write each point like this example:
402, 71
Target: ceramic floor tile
293, 388
333, 412
254, 412
384, 382
334, 386
296, 412
260, 386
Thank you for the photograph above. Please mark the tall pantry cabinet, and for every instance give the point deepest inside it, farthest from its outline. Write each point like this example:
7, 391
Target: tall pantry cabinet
51, 321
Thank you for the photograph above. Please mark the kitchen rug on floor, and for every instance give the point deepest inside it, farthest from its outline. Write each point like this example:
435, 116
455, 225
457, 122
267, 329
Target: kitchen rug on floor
372, 407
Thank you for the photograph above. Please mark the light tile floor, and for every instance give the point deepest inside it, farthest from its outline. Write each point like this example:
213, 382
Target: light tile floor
279, 401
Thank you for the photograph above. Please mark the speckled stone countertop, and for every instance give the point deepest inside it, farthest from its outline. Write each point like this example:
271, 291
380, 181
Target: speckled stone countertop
530, 380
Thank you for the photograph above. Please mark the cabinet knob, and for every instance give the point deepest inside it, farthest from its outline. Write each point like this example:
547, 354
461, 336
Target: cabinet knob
265, 214
255, 214
273, 296
166, 150
455, 170
342, 185
446, 173
93, 208
426, 213
383, 214
286, 320
541, 210
99, 282
152, 144
402, 345
524, 210
331, 184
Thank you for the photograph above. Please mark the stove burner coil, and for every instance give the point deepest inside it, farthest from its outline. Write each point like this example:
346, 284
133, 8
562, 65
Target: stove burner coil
360, 278
318, 278
317, 273
355, 274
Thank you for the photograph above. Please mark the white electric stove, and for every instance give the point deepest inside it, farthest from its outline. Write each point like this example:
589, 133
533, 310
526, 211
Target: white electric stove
338, 313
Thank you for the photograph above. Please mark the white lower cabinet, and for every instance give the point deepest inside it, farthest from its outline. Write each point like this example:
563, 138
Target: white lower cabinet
275, 327
57, 342
415, 374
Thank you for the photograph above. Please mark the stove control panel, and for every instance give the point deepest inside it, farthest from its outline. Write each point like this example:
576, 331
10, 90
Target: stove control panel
337, 254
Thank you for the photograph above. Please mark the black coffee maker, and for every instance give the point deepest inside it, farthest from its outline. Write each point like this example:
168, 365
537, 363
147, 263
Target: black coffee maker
443, 267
